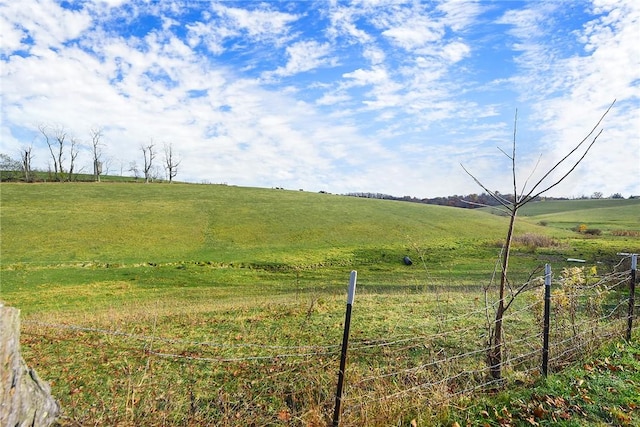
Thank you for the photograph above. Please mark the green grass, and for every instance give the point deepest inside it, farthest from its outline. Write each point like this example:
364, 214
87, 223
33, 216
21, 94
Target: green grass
161, 223
604, 214
604, 390
258, 272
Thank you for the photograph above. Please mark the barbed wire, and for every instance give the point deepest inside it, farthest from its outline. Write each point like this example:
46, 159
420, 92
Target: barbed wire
141, 337
445, 374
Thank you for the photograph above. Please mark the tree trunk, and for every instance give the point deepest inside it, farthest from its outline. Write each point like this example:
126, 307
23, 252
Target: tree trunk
494, 355
25, 400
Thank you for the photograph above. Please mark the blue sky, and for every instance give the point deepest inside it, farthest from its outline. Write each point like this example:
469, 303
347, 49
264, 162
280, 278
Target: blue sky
376, 96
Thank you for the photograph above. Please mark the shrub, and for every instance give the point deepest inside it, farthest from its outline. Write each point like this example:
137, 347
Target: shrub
626, 233
593, 231
533, 240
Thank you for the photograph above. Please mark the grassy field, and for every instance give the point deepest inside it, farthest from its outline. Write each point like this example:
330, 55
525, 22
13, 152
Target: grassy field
158, 304
605, 214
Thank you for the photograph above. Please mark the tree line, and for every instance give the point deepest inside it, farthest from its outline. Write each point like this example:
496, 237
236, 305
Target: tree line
64, 148
473, 200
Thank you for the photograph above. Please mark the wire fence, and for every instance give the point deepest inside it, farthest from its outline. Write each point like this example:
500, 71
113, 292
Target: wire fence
170, 380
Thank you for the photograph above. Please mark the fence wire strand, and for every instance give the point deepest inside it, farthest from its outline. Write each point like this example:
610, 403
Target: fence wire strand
440, 370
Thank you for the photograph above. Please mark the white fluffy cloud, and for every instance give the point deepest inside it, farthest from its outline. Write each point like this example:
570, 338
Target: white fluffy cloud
383, 96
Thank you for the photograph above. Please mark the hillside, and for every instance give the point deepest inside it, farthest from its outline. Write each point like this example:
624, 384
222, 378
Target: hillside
604, 214
215, 303
128, 223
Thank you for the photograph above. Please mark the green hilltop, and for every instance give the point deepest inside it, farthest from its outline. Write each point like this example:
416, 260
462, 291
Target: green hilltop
605, 214
130, 223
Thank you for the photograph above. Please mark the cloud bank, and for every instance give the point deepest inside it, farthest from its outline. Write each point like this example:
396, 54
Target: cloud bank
380, 96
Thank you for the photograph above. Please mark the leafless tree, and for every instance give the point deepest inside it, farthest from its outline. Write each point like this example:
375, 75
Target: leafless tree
520, 198
133, 168
156, 173
25, 159
170, 161
73, 154
96, 144
60, 134
149, 155
106, 166
55, 140
45, 131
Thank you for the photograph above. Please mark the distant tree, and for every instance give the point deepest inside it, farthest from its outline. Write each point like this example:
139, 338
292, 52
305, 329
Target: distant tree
74, 150
157, 173
8, 164
96, 145
522, 196
60, 134
149, 155
9, 167
26, 158
617, 196
55, 139
170, 161
106, 166
45, 131
133, 168
596, 195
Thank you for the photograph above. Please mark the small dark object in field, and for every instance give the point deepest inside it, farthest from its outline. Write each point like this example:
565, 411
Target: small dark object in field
407, 261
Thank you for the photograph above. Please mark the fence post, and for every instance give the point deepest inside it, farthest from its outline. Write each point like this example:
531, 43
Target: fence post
632, 296
345, 343
547, 316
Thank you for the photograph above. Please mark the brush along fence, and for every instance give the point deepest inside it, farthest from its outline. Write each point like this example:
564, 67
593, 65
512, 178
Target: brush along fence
433, 356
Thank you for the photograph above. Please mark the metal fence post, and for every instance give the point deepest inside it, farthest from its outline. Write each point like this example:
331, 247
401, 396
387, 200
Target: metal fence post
345, 343
547, 316
632, 296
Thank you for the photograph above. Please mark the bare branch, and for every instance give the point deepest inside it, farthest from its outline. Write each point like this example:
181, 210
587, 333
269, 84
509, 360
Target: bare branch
484, 205
524, 186
575, 165
526, 286
493, 195
561, 161
505, 153
513, 158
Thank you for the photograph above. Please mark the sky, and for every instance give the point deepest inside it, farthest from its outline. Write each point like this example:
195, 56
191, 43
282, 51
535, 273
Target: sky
382, 96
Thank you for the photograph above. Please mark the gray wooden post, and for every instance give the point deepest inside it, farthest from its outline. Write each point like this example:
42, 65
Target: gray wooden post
25, 400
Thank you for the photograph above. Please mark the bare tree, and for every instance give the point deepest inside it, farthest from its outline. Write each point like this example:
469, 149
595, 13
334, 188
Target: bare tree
170, 161
520, 198
73, 154
57, 138
96, 144
106, 166
60, 134
25, 158
149, 155
44, 130
133, 168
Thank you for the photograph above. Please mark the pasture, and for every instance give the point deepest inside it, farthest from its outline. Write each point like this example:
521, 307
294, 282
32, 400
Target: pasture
187, 304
